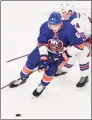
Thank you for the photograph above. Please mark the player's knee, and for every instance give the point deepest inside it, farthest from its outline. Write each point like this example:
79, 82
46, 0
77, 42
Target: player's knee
31, 65
25, 72
52, 70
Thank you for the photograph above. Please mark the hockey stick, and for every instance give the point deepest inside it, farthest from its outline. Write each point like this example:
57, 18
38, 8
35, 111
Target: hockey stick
17, 58
36, 69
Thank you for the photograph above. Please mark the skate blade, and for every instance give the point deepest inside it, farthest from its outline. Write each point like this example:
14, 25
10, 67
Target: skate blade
81, 88
33, 97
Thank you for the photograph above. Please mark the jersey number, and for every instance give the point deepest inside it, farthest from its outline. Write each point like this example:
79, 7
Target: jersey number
77, 25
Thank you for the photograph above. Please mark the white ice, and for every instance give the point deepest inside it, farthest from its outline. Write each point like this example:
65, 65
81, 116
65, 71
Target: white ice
61, 100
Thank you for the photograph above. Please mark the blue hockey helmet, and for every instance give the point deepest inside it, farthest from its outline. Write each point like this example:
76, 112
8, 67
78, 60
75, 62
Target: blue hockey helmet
55, 18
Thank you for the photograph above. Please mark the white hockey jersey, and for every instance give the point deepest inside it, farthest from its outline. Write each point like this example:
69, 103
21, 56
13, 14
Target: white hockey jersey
82, 24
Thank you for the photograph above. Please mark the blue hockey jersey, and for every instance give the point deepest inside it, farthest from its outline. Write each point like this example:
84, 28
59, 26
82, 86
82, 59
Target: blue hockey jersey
67, 36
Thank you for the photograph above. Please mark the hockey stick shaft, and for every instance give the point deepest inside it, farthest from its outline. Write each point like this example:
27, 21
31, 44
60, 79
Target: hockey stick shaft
5, 86
17, 58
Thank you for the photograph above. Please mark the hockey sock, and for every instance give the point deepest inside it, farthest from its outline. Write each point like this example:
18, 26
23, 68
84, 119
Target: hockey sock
25, 72
84, 69
46, 80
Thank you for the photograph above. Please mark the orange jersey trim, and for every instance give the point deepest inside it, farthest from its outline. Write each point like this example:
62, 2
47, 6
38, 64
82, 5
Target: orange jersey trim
47, 78
81, 46
42, 45
26, 70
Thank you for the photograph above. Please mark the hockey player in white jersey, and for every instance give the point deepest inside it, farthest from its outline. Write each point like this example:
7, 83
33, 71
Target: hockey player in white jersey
83, 25
81, 21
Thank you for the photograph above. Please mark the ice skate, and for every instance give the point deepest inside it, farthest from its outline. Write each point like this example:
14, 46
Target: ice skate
16, 83
60, 72
82, 83
37, 92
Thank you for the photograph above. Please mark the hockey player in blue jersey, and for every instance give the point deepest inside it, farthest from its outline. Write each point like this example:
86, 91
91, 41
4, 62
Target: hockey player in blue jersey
49, 55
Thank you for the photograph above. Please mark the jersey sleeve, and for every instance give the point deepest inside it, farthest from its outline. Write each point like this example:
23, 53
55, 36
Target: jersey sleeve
76, 42
74, 37
42, 38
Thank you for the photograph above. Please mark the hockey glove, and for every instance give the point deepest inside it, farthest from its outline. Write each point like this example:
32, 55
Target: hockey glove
65, 53
43, 65
64, 58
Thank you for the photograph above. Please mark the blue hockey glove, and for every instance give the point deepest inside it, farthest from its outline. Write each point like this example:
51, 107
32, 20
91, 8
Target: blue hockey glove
43, 65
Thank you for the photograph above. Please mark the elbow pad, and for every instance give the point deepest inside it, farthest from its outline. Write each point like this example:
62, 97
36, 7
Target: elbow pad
43, 50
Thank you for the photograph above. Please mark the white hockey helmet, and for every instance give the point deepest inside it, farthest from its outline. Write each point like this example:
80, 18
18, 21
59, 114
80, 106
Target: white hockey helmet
66, 7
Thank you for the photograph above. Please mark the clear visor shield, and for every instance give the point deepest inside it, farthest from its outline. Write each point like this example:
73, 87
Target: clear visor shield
55, 28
